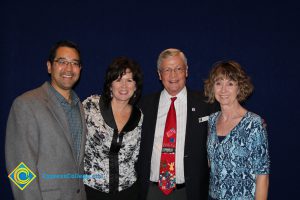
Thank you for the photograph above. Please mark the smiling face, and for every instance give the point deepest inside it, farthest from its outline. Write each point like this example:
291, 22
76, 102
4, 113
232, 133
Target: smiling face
226, 91
173, 74
123, 88
64, 70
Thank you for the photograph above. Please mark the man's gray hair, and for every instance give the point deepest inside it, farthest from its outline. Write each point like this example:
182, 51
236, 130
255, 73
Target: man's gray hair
169, 53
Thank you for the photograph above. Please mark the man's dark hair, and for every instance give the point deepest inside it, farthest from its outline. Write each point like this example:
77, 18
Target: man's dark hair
63, 43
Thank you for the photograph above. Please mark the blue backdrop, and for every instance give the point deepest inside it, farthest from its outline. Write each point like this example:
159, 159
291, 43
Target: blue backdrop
263, 36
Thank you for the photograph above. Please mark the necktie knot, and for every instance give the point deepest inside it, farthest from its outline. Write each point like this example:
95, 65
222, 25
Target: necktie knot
173, 99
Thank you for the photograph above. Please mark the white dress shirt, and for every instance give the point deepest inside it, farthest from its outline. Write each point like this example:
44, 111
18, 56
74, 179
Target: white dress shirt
181, 115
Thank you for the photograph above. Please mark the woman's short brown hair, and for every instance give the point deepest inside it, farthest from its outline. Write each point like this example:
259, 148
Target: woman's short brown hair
231, 70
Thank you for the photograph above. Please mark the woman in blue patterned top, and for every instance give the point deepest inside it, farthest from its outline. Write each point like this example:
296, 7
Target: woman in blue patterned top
237, 142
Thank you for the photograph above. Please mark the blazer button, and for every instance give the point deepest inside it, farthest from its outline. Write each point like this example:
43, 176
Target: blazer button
78, 190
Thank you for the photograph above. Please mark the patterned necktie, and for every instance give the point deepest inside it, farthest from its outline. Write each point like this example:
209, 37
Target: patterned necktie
167, 180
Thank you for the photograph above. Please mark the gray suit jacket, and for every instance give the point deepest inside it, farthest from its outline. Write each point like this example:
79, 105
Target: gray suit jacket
38, 135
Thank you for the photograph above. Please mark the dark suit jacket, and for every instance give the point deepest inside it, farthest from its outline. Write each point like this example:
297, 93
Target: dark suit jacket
195, 154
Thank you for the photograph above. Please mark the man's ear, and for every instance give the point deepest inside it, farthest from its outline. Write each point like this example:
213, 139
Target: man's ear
159, 75
186, 71
49, 66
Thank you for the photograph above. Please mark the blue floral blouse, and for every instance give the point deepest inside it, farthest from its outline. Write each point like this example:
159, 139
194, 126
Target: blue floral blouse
236, 160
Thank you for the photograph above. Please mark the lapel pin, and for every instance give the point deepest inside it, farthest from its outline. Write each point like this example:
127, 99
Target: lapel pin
193, 109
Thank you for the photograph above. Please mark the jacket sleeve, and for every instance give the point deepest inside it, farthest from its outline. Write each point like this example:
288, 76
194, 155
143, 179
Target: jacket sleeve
21, 145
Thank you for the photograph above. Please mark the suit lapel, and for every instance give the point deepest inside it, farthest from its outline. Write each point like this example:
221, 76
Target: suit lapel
153, 115
188, 120
83, 135
149, 123
153, 112
59, 115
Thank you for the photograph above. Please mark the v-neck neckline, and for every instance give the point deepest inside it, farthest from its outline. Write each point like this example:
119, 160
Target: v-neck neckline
109, 119
230, 134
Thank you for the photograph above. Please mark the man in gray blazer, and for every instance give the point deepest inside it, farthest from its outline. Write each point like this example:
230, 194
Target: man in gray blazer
45, 133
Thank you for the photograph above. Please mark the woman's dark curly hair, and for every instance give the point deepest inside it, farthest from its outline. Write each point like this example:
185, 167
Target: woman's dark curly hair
231, 70
116, 70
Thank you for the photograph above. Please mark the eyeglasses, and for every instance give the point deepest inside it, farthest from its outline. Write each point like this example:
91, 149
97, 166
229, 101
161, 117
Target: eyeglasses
176, 70
64, 63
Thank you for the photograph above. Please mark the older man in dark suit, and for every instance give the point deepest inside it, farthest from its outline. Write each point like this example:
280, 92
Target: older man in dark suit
173, 163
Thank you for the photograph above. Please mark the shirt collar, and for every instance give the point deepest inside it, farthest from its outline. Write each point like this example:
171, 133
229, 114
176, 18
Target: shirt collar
61, 99
181, 96
107, 114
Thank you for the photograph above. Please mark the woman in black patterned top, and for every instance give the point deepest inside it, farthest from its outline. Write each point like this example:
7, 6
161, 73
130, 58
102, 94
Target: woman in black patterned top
114, 133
